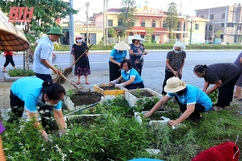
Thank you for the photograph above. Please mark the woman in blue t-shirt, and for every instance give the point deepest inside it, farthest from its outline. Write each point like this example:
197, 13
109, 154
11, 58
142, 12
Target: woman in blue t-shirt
117, 55
191, 100
131, 77
31, 96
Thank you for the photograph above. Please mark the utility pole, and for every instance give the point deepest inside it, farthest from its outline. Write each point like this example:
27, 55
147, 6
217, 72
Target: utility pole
87, 33
71, 31
104, 24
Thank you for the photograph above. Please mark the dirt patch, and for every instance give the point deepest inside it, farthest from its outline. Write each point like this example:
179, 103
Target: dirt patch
141, 93
110, 88
86, 98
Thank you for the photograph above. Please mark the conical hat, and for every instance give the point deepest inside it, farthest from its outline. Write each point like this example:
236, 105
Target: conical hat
121, 46
11, 38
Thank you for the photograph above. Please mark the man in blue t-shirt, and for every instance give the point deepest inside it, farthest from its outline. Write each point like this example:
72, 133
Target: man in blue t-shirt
191, 100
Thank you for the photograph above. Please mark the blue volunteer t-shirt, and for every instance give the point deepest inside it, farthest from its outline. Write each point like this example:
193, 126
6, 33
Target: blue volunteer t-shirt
194, 95
28, 89
118, 56
131, 73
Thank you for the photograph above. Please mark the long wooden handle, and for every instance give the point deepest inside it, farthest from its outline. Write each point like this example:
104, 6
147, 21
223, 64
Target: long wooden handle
81, 56
69, 81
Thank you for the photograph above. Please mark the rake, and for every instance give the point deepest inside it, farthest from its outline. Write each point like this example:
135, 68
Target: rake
60, 79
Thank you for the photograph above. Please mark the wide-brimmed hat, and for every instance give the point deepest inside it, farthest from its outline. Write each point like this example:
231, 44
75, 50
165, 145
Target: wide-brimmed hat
11, 39
121, 46
55, 31
137, 37
174, 84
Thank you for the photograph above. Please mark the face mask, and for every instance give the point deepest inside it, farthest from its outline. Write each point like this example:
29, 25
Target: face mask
79, 40
49, 104
177, 52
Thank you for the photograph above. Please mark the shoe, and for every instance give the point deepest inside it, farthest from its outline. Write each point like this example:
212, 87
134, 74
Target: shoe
235, 96
87, 82
77, 83
4, 71
215, 108
239, 99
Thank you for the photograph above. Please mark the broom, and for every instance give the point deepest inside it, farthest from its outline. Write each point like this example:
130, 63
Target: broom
60, 79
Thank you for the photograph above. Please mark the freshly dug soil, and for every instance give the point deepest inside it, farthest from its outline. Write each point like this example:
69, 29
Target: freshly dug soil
85, 98
110, 88
140, 94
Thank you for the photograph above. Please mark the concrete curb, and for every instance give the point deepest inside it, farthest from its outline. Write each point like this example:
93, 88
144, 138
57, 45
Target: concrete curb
108, 51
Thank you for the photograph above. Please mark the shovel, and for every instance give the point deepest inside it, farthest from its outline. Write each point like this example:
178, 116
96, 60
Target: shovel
89, 106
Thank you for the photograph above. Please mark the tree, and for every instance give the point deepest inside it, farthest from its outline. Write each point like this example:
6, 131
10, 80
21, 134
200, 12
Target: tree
149, 31
46, 12
112, 32
171, 18
218, 33
127, 11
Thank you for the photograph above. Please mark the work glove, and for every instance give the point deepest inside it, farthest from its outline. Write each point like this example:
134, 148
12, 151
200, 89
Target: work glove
114, 81
120, 85
139, 54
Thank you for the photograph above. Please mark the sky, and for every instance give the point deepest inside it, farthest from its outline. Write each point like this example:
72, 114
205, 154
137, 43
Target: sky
188, 6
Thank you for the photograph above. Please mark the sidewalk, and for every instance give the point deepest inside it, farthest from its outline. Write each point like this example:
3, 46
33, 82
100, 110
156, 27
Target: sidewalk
151, 80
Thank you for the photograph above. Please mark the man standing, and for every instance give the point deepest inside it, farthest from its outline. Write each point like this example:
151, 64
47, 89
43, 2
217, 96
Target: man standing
42, 65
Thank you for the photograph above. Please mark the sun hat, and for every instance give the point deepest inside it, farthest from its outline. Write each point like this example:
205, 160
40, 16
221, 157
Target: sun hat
78, 37
121, 46
174, 84
55, 31
137, 37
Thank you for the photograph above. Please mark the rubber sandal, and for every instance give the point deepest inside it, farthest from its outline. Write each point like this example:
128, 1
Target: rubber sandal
77, 83
235, 96
217, 108
87, 82
4, 71
239, 99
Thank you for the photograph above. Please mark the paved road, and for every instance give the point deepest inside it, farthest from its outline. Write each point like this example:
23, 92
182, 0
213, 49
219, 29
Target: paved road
154, 63
154, 58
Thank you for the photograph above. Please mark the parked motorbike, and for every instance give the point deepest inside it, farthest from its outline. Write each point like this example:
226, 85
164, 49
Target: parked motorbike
31, 57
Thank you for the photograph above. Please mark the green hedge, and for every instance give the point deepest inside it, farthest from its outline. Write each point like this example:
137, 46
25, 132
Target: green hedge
158, 47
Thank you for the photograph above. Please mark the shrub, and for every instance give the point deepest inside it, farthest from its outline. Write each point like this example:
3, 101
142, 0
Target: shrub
153, 46
20, 72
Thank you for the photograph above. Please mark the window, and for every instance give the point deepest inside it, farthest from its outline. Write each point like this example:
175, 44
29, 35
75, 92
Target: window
110, 22
164, 24
196, 26
120, 22
211, 16
143, 23
230, 25
223, 15
132, 23
153, 23
222, 24
210, 27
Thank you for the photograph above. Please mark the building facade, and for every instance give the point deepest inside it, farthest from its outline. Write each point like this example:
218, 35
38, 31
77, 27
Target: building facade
224, 23
146, 18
